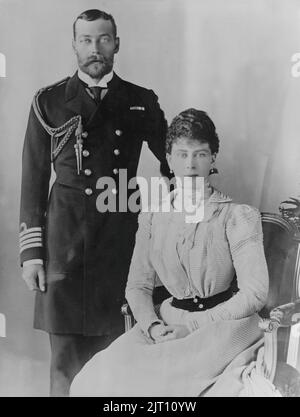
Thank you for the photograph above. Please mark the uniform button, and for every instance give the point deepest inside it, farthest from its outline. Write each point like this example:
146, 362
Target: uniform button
115, 171
88, 191
114, 191
85, 152
87, 172
117, 151
118, 132
84, 134
200, 306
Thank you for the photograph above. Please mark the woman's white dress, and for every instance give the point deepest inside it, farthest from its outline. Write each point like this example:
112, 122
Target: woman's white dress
189, 259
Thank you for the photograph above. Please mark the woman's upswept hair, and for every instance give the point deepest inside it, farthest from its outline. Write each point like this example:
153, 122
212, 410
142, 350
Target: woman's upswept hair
195, 125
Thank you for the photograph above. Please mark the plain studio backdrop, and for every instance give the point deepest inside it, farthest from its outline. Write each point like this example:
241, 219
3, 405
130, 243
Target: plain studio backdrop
231, 58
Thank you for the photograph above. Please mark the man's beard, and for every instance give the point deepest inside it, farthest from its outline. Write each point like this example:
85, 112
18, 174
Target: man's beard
96, 67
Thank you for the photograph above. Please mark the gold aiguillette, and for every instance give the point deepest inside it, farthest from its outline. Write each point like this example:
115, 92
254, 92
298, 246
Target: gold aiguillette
78, 147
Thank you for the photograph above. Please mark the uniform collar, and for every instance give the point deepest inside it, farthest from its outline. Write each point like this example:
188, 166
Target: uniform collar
74, 87
91, 83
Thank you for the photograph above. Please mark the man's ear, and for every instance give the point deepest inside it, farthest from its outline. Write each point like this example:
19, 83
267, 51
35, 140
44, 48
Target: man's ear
213, 157
73, 45
117, 47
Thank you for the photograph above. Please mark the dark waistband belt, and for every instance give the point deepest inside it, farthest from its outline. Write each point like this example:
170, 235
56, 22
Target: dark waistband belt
201, 304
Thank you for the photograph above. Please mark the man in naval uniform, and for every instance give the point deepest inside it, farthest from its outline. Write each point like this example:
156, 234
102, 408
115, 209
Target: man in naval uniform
76, 257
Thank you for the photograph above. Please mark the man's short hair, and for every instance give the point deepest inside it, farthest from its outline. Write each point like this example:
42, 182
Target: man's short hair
94, 14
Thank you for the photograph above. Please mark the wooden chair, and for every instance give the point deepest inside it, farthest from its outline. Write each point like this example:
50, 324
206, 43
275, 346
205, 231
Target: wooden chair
282, 310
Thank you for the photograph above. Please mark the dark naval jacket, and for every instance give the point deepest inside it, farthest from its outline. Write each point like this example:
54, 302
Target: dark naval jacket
86, 252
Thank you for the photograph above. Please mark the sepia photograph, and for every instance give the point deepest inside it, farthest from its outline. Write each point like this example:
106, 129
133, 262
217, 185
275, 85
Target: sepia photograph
150, 200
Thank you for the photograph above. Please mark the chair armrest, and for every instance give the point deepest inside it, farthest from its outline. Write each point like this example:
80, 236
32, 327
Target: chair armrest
160, 293
285, 315
125, 310
128, 316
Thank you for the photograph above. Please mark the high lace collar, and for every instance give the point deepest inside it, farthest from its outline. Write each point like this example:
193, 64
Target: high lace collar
209, 206
216, 197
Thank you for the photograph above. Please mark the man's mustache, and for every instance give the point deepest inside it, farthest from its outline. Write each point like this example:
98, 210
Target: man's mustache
102, 60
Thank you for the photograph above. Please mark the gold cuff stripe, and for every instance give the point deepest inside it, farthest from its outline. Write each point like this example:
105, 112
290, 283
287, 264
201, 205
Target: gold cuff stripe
32, 240
30, 235
32, 245
32, 229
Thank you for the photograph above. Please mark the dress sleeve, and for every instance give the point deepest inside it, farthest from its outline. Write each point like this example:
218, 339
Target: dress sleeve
244, 234
141, 278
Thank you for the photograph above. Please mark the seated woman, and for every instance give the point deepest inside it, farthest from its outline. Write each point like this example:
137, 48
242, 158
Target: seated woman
204, 336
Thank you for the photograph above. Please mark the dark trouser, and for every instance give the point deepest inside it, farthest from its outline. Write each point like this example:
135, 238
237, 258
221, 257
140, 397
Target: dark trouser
69, 352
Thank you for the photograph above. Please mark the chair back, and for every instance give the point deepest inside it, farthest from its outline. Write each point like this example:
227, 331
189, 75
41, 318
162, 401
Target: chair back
280, 251
281, 254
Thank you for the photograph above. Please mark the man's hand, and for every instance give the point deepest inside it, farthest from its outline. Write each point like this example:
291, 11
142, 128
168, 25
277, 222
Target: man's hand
35, 277
172, 332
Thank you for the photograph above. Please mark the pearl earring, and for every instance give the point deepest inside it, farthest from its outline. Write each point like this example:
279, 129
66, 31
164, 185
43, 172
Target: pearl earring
213, 171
